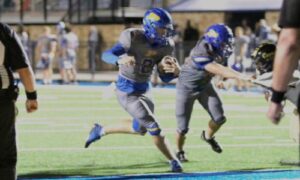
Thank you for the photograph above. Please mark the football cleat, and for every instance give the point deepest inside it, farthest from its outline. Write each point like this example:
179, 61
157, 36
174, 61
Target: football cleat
181, 156
212, 142
175, 166
95, 134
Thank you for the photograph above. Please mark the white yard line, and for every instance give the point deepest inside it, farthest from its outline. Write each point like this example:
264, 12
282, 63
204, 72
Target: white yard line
24, 120
86, 128
282, 145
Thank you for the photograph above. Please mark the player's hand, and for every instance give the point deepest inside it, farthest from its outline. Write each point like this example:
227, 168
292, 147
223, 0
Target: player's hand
275, 112
221, 85
244, 77
171, 66
127, 61
267, 96
31, 105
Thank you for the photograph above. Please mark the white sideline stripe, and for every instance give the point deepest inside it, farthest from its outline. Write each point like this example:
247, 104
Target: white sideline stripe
168, 130
258, 109
282, 145
29, 120
252, 137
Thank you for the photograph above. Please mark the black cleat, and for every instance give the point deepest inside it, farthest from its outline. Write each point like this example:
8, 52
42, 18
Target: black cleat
181, 156
212, 142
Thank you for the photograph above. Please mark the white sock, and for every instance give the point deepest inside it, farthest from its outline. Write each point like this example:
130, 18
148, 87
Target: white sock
206, 135
102, 133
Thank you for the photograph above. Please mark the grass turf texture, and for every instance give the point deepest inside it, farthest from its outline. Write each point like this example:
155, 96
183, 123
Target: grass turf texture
51, 140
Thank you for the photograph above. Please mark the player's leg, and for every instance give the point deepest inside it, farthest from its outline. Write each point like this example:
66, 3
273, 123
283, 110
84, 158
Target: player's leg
74, 68
8, 150
210, 100
142, 109
125, 127
50, 74
184, 107
62, 70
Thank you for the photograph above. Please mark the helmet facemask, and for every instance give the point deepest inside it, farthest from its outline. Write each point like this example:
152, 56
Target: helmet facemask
158, 26
263, 57
220, 37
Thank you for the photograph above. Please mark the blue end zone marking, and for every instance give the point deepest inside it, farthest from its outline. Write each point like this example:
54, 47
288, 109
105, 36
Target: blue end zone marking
240, 175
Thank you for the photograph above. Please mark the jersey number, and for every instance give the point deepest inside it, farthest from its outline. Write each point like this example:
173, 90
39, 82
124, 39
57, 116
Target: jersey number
146, 66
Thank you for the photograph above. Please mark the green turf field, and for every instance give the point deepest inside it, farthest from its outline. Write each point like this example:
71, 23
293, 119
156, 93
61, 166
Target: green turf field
51, 140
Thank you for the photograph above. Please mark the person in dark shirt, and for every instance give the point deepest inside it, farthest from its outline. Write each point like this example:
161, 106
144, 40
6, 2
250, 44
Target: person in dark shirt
12, 58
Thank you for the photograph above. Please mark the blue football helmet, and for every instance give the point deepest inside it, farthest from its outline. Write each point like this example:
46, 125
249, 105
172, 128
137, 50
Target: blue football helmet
158, 18
220, 37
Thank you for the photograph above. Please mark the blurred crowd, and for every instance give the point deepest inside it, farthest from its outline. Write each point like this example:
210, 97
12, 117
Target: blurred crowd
62, 46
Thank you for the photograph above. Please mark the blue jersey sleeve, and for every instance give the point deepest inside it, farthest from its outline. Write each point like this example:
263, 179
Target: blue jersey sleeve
167, 77
111, 56
201, 61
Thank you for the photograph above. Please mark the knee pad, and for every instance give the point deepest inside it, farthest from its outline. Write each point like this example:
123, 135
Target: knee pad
220, 121
183, 131
138, 128
154, 129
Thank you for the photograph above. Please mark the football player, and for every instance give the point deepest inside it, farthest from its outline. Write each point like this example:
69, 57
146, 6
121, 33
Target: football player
206, 59
136, 54
263, 57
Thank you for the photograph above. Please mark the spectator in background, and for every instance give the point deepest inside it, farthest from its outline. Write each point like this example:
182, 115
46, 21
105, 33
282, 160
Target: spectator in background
190, 37
70, 45
93, 43
251, 43
241, 43
25, 41
46, 47
60, 32
274, 34
263, 31
244, 25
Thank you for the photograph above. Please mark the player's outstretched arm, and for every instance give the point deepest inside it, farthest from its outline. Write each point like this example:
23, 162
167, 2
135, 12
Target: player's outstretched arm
225, 72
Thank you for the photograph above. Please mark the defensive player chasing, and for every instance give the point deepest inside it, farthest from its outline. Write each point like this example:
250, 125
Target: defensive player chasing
136, 54
263, 57
207, 58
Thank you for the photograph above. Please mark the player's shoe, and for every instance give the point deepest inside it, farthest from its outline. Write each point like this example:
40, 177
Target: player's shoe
212, 142
181, 156
95, 134
175, 166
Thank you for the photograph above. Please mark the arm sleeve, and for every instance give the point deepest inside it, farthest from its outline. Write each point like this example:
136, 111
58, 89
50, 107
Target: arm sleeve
111, 56
201, 61
167, 77
17, 57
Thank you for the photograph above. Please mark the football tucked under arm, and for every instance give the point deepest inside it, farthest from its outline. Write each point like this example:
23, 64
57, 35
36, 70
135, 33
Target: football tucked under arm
169, 65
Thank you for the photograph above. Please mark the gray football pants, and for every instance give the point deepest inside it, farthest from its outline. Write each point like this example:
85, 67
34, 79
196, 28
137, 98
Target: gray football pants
141, 108
8, 149
208, 98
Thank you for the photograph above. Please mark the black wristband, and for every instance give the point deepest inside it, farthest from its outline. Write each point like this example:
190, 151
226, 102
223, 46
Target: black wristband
31, 95
277, 96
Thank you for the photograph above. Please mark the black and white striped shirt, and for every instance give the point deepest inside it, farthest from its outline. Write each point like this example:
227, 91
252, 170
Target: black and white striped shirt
12, 56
